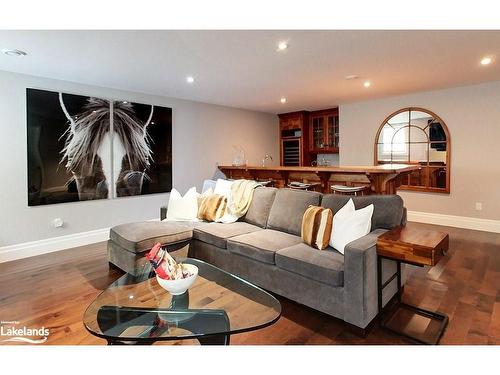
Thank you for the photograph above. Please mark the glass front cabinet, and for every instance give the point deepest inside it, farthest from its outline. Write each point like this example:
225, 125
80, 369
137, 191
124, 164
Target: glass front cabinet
324, 131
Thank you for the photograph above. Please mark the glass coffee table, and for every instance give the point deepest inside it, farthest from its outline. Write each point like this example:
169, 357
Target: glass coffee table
136, 310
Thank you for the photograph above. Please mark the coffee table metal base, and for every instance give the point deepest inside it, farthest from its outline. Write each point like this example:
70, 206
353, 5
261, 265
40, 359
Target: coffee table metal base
117, 320
209, 340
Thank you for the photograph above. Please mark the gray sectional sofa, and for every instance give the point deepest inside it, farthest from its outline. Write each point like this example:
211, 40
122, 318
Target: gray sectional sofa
265, 248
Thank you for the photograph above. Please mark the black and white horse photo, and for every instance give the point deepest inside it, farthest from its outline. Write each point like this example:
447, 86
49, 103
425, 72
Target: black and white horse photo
108, 149
90, 140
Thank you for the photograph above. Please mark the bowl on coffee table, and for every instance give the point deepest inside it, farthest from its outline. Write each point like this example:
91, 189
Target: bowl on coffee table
180, 286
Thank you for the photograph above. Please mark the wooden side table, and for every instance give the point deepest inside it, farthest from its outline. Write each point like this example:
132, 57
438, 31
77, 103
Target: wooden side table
421, 248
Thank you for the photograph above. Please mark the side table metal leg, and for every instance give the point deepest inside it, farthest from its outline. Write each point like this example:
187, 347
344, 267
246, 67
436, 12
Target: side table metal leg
398, 272
386, 320
379, 282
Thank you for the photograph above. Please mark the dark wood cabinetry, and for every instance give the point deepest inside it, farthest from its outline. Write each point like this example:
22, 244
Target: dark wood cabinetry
294, 138
324, 131
304, 134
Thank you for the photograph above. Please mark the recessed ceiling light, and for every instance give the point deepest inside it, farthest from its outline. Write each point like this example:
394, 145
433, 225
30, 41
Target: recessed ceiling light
189, 79
283, 100
486, 61
351, 76
13, 52
367, 84
282, 46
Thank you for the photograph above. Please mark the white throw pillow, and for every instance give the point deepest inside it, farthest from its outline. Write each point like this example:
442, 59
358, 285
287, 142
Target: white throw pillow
223, 187
183, 208
350, 224
345, 210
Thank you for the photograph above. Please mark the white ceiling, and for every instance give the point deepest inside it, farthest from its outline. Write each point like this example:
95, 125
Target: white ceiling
243, 68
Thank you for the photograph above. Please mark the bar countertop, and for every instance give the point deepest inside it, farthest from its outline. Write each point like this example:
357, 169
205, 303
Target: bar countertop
381, 179
384, 168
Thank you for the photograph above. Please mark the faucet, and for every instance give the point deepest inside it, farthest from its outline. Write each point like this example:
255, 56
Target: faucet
266, 157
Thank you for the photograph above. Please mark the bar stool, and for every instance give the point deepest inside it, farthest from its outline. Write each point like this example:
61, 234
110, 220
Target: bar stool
347, 190
303, 186
266, 183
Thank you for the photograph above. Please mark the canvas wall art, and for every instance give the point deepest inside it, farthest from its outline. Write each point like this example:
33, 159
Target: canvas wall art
86, 148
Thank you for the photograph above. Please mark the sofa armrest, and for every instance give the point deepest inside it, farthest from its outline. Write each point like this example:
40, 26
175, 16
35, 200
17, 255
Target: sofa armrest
360, 279
404, 219
163, 212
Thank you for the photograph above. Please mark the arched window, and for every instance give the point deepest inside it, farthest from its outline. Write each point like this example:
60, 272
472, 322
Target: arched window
416, 136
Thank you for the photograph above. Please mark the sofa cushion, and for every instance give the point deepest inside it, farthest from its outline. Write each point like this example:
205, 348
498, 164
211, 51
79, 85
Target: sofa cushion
141, 236
211, 207
317, 227
326, 266
261, 245
349, 225
218, 233
183, 208
289, 207
258, 212
388, 210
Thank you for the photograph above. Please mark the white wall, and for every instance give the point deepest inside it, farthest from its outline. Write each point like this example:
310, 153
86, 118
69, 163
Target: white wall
202, 136
472, 114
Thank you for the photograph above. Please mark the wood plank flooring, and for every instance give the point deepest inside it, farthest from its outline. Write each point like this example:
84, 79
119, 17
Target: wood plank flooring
53, 290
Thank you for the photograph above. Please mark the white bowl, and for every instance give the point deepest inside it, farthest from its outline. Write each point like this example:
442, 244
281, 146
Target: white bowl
177, 287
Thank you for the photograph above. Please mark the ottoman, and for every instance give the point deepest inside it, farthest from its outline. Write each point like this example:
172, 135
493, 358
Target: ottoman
128, 242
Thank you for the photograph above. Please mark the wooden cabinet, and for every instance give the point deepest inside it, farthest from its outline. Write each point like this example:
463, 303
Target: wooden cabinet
305, 134
294, 138
324, 131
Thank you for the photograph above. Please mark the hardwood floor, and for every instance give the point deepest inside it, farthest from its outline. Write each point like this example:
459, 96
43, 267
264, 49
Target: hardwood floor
53, 290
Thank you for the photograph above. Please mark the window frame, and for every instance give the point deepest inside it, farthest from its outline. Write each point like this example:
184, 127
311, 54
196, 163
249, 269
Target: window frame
396, 152
427, 167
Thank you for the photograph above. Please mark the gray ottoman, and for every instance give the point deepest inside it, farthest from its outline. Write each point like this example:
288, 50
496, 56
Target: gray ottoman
128, 243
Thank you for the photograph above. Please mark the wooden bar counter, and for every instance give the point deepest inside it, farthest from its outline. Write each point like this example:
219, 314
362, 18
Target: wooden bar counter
381, 179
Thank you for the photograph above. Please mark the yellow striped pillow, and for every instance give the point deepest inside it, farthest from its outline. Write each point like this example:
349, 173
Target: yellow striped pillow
211, 207
317, 227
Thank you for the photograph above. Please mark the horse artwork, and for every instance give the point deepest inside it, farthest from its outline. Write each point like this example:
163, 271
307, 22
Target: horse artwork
142, 149
86, 148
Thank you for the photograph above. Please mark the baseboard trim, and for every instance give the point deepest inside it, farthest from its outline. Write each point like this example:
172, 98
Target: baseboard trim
49, 245
486, 225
